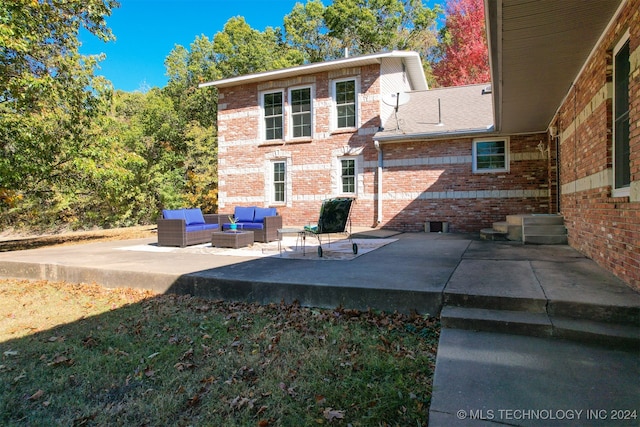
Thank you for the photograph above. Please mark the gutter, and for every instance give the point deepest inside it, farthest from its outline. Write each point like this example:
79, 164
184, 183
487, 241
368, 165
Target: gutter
378, 146
382, 139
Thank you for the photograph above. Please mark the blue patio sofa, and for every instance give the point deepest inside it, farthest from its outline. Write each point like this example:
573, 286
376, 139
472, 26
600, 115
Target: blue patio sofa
264, 222
185, 227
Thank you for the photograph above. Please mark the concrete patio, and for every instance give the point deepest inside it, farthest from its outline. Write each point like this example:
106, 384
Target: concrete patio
524, 327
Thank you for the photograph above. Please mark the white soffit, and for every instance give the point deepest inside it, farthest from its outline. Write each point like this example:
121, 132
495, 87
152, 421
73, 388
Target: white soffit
411, 60
537, 49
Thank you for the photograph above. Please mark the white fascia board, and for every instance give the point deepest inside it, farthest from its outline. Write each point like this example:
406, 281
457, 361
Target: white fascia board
414, 64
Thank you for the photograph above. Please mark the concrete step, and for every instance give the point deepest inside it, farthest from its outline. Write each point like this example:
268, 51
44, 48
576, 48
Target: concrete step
492, 234
544, 230
542, 220
615, 313
540, 325
545, 239
502, 321
588, 331
622, 314
494, 302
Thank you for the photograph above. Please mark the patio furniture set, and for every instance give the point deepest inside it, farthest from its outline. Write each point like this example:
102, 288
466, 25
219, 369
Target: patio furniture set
185, 227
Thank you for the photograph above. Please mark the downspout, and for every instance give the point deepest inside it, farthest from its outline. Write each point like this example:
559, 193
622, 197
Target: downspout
379, 149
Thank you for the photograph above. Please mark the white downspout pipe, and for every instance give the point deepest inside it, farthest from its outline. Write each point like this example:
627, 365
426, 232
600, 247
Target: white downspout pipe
379, 149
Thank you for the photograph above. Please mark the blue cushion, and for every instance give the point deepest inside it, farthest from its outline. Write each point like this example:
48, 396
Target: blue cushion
244, 214
200, 227
261, 213
193, 216
173, 213
195, 227
252, 226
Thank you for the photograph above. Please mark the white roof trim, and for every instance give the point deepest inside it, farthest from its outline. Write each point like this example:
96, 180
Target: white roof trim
414, 68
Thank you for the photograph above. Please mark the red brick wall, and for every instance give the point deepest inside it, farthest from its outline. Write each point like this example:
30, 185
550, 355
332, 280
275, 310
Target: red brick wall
604, 228
451, 192
243, 155
442, 190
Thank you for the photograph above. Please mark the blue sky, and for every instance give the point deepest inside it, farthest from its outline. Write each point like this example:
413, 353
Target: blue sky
147, 31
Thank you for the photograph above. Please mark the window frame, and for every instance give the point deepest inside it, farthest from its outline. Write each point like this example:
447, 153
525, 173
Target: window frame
507, 156
623, 190
334, 102
291, 114
274, 182
341, 176
263, 116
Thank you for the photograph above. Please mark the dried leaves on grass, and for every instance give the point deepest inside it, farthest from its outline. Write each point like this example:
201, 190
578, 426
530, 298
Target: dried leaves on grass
125, 357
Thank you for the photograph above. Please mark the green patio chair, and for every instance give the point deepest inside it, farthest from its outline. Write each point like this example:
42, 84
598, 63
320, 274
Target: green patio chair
334, 218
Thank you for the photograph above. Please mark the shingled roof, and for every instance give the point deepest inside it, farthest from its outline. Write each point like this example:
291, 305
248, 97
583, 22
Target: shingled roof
463, 110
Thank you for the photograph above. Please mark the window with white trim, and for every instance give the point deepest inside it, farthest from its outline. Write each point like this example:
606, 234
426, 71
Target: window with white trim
621, 148
273, 121
279, 181
348, 175
345, 98
301, 115
491, 155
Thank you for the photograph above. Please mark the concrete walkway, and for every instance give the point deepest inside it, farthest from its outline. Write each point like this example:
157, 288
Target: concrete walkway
520, 323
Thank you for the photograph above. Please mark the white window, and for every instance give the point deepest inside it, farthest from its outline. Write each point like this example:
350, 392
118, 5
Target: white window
348, 175
491, 155
621, 148
301, 115
345, 100
273, 116
279, 181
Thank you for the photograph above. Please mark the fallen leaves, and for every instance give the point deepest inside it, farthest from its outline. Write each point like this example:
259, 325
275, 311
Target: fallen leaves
273, 364
333, 414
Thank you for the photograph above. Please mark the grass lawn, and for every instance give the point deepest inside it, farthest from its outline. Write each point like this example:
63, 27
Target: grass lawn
85, 355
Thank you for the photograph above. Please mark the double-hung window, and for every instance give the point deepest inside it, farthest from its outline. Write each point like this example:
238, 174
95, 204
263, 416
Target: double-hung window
272, 106
279, 181
491, 155
348, 175
345, 94
621, 149
300, 100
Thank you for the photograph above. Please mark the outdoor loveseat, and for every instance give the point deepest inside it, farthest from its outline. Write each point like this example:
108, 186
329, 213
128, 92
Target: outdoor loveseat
185, 227
264, 222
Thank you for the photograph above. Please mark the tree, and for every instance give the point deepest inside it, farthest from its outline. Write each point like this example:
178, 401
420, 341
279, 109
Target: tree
306, 31
462, 56
242, 50
369, 26
48, 97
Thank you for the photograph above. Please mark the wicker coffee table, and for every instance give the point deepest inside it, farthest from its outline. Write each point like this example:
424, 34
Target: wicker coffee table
232, 239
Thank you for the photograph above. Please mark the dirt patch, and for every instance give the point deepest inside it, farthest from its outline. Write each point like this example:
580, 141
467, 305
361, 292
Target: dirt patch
15, 242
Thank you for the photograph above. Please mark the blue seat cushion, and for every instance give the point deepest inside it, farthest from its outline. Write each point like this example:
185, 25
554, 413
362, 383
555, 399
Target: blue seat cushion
261, 213
173, 213
244, 214
193, 216
252, 226
200, 227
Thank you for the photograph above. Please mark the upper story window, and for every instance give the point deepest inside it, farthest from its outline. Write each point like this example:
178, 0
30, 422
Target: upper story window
491, 155
272, 107
621, 148
301, 116
348, 175
345, 96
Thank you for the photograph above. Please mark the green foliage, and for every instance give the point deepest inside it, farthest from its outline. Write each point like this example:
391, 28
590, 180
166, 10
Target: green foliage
74, 153
242, 50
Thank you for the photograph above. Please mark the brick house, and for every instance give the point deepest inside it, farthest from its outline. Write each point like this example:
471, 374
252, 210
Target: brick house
537, 140
291, 138
573, 68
